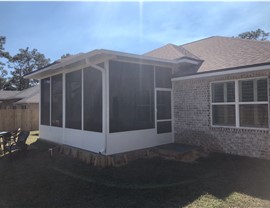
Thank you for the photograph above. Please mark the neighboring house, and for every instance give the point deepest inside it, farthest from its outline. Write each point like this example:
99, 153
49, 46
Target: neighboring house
19, 109
211, 92
5, 101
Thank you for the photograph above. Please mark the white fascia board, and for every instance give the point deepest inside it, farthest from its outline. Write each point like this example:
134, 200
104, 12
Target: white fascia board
63, 64
220, 73
142, 57
186, 60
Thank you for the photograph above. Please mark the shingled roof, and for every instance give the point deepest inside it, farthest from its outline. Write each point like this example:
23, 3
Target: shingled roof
219, 52
171, 52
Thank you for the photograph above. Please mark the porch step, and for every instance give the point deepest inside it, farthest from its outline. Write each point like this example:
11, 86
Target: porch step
181, 152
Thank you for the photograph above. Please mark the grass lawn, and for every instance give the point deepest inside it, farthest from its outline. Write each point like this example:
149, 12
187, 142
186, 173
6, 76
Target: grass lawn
37, 180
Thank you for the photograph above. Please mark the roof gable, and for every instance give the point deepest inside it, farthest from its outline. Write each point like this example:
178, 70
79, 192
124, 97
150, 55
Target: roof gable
218, 52
171, 52
223, 52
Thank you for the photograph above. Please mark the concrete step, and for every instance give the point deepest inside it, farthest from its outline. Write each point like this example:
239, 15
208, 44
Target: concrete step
181, 152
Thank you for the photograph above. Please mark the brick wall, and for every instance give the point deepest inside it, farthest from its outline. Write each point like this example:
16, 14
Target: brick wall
192, 120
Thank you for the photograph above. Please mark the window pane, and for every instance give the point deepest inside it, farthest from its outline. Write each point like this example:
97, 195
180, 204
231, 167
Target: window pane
131, 96
92, 100
45, 101
230, 91
254, 115
246, 91
163, 77
74, 100
223, 115
262, 90
164, 127
218, 92
163, 105
223, 92
57, 102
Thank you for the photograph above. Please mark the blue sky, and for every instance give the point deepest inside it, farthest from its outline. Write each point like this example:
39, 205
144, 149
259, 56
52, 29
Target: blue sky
56, 28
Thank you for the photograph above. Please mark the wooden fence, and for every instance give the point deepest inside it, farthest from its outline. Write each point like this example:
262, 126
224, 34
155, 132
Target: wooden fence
25, 117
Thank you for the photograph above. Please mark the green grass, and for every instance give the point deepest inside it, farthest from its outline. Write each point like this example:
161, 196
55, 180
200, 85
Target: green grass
38, 180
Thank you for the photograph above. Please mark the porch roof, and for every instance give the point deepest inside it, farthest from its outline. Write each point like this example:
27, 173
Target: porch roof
101, 55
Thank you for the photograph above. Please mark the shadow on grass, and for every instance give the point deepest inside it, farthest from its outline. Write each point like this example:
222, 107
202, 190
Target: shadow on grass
37, 177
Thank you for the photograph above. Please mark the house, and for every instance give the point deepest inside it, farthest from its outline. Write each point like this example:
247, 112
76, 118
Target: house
5, 95
212, 92
19, 109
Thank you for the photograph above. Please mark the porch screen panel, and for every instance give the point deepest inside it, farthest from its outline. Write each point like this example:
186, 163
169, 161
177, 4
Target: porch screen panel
163, 77
92, 99
131, 96
74, 100
45, 101
57, 101
164, 127
164, 105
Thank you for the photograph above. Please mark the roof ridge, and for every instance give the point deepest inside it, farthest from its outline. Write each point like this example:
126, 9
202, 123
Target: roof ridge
168, 44
188, 52
242, 39
231, 38
175, 48
198, 40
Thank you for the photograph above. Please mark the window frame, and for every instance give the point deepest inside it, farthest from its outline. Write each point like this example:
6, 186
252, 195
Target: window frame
222, 103
237, 103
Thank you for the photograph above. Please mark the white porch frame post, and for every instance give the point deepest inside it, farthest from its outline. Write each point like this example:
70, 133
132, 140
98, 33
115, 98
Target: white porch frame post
64, 107
106, 103
82, 105
39, 118
50, 116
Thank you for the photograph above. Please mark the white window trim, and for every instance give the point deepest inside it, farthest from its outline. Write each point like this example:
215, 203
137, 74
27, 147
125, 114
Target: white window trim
237, 103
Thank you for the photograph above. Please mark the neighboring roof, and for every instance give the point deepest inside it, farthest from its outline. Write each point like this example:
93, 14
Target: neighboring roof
5, 94
34, 98
171, 52
26, 93
30, 95
220, 52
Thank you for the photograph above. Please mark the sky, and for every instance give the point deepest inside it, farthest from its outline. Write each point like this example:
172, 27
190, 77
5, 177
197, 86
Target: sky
57, 28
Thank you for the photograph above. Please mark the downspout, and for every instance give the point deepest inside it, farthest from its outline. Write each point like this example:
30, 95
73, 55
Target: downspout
105, 96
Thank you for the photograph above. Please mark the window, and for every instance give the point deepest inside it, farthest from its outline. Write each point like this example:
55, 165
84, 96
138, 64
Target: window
45, 101
131, 96
92, 99
242, 103
57, 101
223, 112
253, 103
74, 100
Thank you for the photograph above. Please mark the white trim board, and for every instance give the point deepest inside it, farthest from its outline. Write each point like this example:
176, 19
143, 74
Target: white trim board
220, 73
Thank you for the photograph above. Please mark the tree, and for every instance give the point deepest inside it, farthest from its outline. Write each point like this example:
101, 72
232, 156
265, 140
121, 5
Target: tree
24, 62
3, 55
259, 34
65, 55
